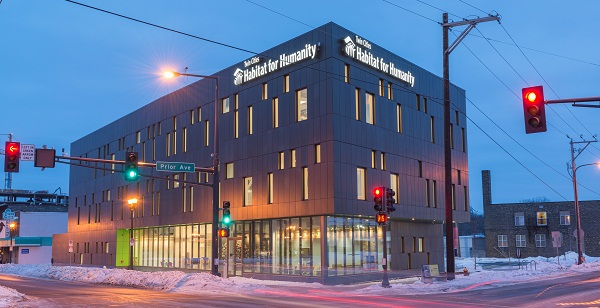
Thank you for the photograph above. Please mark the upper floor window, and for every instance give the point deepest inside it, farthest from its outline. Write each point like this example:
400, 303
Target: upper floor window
248, 191
381, 87
225, 105
265, 91
565, 218
229, 170
301, 105
360, 183
281, 161
370, 108
317, 153
520, 240
540, 240
519, 219
346, 73
542, 218
502, 241
286, 83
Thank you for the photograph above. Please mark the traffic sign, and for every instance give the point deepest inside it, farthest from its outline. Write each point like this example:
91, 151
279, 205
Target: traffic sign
175, 166
8, 215
27, 152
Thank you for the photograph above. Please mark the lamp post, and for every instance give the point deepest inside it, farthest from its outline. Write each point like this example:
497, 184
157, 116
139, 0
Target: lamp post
580, 258
132, 202
215, 184
12, 226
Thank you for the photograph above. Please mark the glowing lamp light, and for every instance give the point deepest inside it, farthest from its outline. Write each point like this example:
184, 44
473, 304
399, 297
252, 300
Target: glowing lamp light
531, 97
171, 74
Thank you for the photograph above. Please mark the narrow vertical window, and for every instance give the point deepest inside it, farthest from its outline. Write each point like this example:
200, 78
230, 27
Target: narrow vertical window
199, 113
236, 118
380, 87
395, 185
305, 183
432, 129
317, 153
184, 140
138, 137
192, 120
250, 122
425, 104
456, 120
225, 105
382, 161
301, 105
399, 118
286, 83
174, 139
281, 161
458, 177
463, 139
346, 73
229, 171
418, 105
270, 188
390, 91
434, 193
373, 159
357, 103
247, 191
183, 199
275, 110
293, 158
265, 94
168, 144
466, 198
191, 198
453, 197
420, 169
360, 183
427, 193
206, 133
370, 108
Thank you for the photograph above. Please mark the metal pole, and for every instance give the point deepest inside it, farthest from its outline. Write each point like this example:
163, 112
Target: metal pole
579, 240
215, 218
131, 240
385, 282
11, 246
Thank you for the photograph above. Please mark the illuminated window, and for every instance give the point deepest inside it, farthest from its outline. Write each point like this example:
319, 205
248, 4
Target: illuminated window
502, 241
248, 191
520, 240
270, 188
542, 219
540, 240
317, 153
265, 94
281, 161
138, 137
236, 118
206, 133
250, 122
305, 183
399, 118
168, 145
382, 161
192, 120
293, 158
360, 183
184, 140
357, 103
370, 108
301, 105
373, 159
565, 218
381, 87
286, 83
395, 185
275, 110
421, 244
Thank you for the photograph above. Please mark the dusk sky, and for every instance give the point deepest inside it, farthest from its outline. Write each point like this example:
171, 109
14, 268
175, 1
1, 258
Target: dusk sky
66, 70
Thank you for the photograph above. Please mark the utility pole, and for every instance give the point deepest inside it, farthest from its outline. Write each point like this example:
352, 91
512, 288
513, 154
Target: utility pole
470, 23
579, 232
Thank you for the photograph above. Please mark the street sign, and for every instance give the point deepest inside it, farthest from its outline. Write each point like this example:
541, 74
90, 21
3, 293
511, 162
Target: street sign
27, 152
8, 215
175, 166
70, 243
574, 232
25, 251
556, 239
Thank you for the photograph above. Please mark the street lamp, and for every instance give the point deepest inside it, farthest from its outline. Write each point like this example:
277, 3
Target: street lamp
580, 258
132, 202
12, 226
215, 184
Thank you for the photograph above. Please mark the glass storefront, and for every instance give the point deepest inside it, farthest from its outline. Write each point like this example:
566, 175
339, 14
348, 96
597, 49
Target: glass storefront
302, 246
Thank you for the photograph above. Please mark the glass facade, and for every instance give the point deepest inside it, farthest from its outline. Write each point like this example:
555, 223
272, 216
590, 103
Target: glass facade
302, 246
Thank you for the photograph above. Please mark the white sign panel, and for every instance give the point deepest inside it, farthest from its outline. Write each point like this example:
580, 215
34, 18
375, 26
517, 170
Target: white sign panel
8, 214
27, 152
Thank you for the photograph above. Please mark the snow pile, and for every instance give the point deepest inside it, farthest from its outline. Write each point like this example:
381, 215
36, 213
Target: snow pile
202, 283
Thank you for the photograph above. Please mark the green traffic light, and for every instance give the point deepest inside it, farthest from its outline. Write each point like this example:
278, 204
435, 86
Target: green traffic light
226, 220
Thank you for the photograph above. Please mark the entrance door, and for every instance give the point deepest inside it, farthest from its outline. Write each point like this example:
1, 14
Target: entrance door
234, 256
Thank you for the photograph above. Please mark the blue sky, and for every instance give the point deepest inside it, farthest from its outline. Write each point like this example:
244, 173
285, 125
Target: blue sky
67, 70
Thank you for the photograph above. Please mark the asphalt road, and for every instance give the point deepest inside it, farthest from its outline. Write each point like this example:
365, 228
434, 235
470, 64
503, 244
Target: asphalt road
576, 291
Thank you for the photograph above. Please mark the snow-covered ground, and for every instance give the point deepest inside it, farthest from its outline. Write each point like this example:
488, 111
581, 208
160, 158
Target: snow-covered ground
202, 283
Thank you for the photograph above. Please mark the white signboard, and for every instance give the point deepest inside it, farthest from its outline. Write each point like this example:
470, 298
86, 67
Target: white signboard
8, 214
27, 152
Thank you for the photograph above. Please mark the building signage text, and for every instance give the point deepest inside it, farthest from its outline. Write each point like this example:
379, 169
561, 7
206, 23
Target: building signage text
259, 69
356, 51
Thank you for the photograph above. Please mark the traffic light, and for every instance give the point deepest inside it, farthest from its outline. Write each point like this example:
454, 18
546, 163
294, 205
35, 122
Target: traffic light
534, 110
378, 198
131, 166
12, 154
381, 218
389, 200
226, 213
223, 232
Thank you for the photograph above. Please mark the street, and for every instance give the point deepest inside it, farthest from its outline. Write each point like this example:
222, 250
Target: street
574, 291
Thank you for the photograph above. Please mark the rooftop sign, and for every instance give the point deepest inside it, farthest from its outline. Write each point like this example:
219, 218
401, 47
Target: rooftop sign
359, 49
256, 67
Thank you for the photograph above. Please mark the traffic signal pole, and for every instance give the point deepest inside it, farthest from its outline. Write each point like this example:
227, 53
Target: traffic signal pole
470, 23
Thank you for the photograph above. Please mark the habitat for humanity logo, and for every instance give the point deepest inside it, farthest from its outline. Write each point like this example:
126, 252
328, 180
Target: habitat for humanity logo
360, 51
241, 76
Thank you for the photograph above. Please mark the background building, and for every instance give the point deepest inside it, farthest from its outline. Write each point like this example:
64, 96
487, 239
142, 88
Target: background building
529, 227
38, 215
306, 129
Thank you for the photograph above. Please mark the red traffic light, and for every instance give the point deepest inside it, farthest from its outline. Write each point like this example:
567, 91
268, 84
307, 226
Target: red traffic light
12, 153
534, 110
381, 218
377, 192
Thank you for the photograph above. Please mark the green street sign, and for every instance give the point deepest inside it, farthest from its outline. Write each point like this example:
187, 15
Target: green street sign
174, 166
